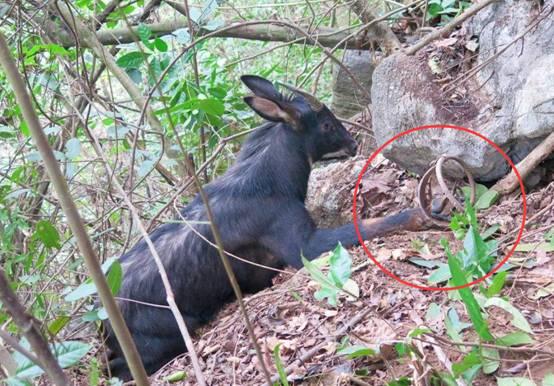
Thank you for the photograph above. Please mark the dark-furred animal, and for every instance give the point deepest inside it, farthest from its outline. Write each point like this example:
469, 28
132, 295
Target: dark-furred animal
258, 206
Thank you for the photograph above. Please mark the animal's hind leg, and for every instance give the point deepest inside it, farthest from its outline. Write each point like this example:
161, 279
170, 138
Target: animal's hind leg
158, 345
155, 353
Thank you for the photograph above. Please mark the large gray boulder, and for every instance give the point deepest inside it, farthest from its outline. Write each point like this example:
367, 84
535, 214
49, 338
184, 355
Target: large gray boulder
509, 100
348, 99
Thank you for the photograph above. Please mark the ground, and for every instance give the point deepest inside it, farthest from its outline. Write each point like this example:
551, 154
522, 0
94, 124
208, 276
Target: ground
309, 332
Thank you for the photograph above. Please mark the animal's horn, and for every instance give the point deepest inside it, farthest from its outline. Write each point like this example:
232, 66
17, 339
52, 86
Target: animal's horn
312, 100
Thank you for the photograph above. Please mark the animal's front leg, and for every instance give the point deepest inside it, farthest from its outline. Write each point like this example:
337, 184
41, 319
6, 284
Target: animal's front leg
292, 242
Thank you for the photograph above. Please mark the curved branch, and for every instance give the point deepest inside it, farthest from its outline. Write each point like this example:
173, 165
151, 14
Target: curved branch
268, 30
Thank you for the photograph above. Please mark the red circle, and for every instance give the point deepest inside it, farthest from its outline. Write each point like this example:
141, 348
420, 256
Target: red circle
440, 127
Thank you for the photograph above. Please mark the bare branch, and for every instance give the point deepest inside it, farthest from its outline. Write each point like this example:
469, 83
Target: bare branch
269, 31
509, 183
389, 41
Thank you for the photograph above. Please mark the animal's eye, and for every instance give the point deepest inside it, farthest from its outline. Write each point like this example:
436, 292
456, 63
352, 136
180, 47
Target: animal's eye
327, 126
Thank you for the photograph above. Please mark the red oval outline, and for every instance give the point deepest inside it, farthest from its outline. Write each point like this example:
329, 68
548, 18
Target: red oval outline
440, 127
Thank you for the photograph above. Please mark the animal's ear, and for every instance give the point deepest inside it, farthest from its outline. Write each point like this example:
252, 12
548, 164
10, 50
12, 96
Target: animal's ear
269, 110
261, 87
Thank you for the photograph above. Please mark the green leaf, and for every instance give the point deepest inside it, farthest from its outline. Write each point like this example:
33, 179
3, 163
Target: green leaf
25, 129
144, 33
114, 277
6, 132
131, 59
515, 339
84, 290
487, 199
352, 288
60, 322
214, 24
433, 10
48, 234
425, 263
491, 360
160, 45
433, 312
440, 275
211, 106
94, 373
356, 351
402, 349
176, 376
497, 284
328, 290
88, 288
473, 309
469, 361
67, 354
518, 320
447, 379
454, 326
529, 247
490, 231
419, 331
515, 381
340, 265
402, 381
95, 315
279, 365
475, 248
73, 148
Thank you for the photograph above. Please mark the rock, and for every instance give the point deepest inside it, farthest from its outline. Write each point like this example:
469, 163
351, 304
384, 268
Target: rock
348, 99
510, 100
329, 198
384, 189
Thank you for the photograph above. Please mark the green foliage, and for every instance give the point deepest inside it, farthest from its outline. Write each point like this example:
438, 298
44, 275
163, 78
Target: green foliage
478, 255
445, 10
473, 308
280, 367
402, 381
176, 376
356, 351
67, 353
48, 234
338, 278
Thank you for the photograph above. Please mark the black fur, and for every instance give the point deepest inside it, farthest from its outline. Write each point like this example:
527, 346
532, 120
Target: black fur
259, 209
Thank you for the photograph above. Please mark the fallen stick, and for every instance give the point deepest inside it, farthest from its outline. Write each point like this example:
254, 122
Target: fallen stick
510, 182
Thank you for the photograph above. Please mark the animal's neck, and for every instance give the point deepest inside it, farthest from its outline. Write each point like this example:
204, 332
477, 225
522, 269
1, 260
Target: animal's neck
277, 158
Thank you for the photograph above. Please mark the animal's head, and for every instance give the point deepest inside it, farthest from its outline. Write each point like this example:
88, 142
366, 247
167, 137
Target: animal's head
323, 135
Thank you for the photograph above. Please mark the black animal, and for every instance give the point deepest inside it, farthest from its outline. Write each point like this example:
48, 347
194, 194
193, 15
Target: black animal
258, 207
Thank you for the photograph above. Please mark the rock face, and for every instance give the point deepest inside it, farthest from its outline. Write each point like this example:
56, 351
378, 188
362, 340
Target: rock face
384, 189
510, 99
348, 99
